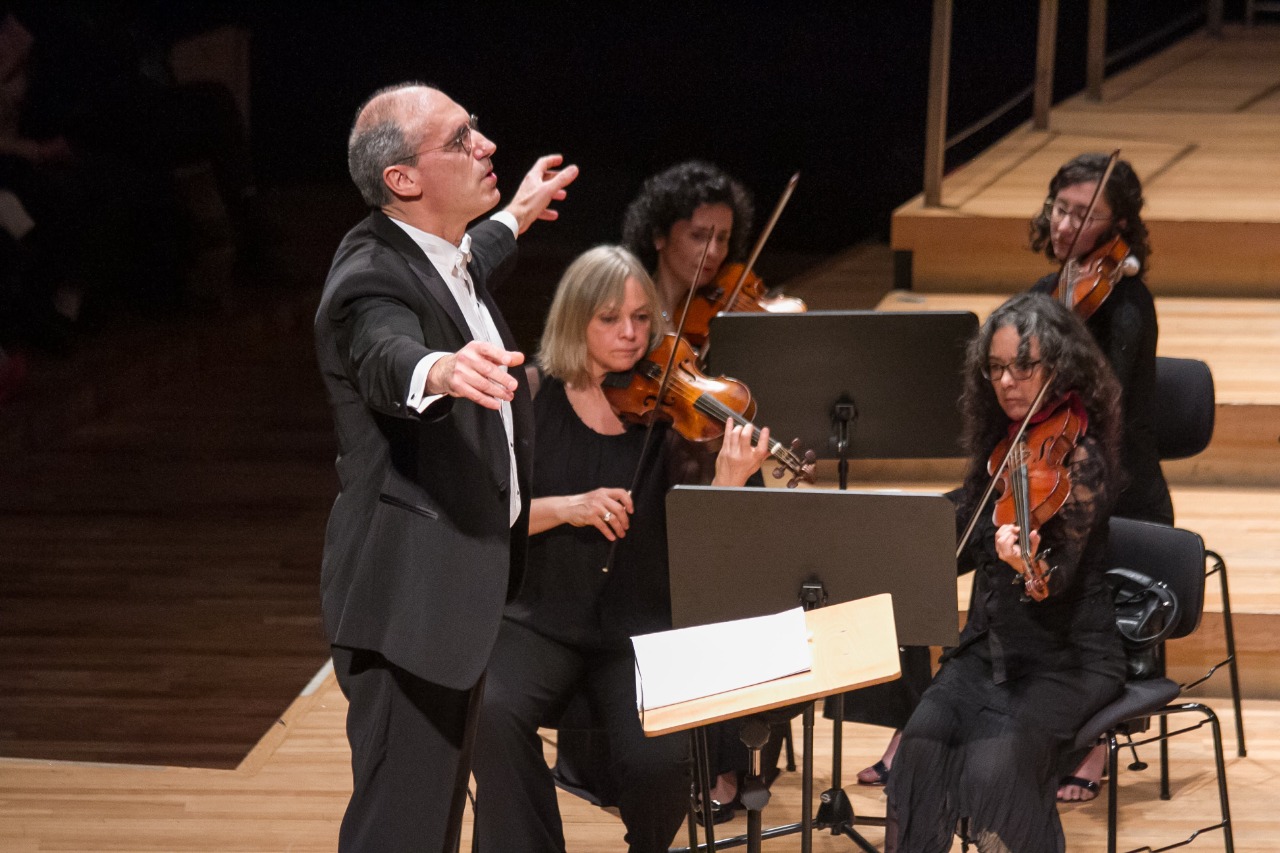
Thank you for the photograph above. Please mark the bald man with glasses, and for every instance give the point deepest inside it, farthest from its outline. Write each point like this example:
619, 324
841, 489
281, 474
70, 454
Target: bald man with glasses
426, 540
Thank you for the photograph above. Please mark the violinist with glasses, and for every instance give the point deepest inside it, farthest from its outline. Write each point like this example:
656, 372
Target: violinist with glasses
1040, 652
1124, 325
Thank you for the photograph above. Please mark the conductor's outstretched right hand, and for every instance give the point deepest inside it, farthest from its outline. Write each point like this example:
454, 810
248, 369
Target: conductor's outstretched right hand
477, 372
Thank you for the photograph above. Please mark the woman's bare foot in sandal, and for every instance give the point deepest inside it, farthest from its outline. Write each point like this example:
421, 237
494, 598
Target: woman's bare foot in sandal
1082, 785
878, 773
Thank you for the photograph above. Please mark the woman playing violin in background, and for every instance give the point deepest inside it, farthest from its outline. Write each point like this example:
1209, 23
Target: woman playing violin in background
667, 225
1125, 328
993, 732
1125, 324
569, 630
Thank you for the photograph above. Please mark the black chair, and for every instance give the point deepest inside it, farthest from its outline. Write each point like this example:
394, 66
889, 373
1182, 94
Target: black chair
1184, 412
1175, 557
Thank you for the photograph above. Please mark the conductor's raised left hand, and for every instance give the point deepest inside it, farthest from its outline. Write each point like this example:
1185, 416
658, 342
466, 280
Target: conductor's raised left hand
542, 185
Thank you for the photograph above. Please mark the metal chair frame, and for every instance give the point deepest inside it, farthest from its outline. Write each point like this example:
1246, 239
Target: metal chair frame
1183, 386
1158, 551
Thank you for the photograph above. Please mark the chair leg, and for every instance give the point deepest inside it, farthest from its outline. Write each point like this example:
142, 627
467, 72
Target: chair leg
1164, 757
1219, 566
1113, 798
1220, 765
790, 747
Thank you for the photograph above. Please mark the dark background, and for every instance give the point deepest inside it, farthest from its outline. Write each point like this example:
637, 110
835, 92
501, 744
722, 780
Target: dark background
834, 90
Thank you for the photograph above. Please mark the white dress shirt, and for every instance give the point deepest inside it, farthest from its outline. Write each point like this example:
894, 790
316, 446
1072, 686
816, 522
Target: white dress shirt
449, 262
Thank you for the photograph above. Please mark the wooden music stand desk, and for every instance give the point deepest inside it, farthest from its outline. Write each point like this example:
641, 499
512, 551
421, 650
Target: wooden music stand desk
854, 644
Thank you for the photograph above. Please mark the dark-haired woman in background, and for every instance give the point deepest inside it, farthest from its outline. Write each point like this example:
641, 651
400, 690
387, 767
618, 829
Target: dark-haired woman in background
667, 225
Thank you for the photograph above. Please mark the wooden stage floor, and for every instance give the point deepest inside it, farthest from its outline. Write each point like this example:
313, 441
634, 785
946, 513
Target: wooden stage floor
289, 792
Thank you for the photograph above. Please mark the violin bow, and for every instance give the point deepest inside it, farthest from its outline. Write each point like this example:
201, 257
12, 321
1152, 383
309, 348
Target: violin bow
1088, 211
764, 237
1022, 430
754, 256
662, 388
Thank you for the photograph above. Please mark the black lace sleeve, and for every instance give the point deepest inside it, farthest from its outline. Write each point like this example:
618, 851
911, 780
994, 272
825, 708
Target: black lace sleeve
1066, 535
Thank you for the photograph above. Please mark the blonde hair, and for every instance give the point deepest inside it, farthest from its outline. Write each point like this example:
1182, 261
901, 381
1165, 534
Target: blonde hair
596, 280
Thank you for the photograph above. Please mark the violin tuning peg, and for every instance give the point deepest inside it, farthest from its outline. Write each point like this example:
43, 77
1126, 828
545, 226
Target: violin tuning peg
793, 482
779, 472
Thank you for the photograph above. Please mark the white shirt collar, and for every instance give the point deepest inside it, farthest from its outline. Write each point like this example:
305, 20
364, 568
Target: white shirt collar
439, 251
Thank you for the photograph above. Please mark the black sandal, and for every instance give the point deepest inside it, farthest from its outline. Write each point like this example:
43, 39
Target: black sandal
882, 774
1080, 782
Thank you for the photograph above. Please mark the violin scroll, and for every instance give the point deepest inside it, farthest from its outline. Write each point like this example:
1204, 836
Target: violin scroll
808, 460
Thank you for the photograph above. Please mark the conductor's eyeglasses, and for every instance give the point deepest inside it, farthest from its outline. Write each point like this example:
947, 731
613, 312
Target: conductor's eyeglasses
461, 141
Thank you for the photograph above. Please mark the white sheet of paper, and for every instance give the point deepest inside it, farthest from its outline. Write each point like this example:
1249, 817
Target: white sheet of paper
672, 666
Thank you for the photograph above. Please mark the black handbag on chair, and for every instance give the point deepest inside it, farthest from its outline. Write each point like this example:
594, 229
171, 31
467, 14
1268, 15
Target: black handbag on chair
1146, 614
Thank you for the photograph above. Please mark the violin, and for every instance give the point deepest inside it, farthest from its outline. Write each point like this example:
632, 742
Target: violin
696, 404
1085, 284
736, 288
1036, 482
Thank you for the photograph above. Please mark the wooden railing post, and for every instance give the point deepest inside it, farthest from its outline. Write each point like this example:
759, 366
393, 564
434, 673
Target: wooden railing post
1096, 63
1213, 17
1045, 43
935, 137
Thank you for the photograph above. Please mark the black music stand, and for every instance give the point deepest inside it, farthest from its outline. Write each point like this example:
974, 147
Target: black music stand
740, 552
868, 384
892, 376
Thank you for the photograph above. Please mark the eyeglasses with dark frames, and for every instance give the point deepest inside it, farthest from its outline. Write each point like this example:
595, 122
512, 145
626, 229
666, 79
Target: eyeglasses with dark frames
1020, 371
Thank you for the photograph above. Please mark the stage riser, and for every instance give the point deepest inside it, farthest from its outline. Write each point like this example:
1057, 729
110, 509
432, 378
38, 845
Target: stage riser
1245, 451
953, 253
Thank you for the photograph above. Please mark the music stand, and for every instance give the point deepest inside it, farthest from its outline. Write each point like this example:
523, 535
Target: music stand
739, 552
871, 384
899, 370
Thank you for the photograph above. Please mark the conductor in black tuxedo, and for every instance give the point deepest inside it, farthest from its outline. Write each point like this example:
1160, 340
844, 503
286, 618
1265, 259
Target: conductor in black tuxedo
426, 539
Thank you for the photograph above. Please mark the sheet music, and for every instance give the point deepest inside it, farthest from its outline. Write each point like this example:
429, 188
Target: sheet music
671, 666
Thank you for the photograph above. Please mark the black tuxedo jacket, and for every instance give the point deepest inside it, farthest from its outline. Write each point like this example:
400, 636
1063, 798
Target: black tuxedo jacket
419, 554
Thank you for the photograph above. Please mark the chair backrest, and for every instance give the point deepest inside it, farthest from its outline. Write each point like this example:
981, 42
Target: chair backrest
1163, 553
1184, 407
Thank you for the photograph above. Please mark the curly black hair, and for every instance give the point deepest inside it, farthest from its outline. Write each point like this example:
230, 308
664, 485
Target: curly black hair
1123, 193
674, 194
1067, 348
